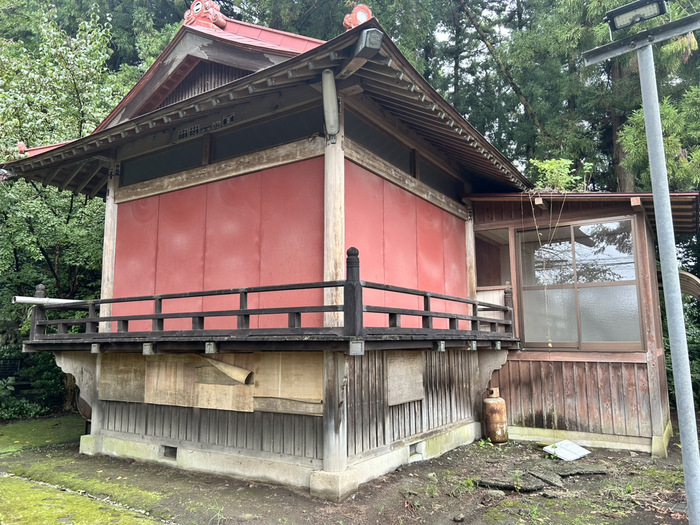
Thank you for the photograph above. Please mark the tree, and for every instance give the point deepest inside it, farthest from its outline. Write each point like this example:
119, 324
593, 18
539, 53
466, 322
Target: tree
57, 89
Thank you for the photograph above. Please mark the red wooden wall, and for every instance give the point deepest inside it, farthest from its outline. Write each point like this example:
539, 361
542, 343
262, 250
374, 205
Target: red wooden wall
266, 228
403, 241
259, 229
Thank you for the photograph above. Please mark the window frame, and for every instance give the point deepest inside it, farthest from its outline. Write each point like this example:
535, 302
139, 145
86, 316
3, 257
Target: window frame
576, 286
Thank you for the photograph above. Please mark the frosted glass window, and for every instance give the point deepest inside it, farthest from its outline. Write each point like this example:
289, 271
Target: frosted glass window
604, 252
609, 313
547, 257
550, 315
565, 297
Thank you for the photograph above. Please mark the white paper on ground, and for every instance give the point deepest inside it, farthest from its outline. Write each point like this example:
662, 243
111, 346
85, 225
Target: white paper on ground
566, 450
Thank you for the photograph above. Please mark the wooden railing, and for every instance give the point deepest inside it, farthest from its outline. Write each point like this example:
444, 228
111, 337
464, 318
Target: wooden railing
465, 318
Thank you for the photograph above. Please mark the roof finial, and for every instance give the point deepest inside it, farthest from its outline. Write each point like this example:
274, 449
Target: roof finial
205, 13
360, 14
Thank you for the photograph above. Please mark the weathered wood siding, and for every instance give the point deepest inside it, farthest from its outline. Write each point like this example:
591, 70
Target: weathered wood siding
286, 434
204, 77
598, 397
447, 399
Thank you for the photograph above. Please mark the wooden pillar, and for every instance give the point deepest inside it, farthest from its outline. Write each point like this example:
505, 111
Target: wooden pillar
334, 222
335, 437
109, 246
471, 253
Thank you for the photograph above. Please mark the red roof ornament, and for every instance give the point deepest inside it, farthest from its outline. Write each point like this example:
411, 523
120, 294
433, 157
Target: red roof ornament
360, 14
205, 13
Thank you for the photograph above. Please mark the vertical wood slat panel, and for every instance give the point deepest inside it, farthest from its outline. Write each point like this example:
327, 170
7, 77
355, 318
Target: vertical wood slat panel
590, 373
289, 434
607, 398
645, 427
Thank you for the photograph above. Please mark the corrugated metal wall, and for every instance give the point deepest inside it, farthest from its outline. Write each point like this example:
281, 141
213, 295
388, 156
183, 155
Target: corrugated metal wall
288, 434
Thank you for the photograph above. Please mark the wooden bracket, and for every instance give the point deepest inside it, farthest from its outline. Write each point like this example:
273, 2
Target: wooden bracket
211, 347
149, 349
541, 204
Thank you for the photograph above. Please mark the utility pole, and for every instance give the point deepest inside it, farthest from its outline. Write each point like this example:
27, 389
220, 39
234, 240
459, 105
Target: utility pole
642, 42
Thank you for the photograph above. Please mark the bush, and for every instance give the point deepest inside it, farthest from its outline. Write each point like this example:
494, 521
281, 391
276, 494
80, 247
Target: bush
37, 387
20, 408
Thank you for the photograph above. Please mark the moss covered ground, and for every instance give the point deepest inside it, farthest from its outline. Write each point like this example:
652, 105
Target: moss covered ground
47, 480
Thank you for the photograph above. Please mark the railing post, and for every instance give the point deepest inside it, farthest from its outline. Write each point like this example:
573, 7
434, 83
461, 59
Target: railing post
38, 313
157, 310
508, 314
91, 326
353, 294
243, 320
427, 319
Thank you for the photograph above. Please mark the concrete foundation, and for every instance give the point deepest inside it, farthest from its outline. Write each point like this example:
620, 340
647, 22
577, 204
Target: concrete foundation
332, 486
656, 446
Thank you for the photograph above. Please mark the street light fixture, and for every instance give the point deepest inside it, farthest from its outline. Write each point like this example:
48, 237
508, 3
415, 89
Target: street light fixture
633, 13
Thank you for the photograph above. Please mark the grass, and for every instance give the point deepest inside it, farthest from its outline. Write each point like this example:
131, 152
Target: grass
57, 471
27, 502
40, 432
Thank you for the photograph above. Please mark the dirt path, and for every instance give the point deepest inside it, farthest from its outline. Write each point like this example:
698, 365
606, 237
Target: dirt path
475, 484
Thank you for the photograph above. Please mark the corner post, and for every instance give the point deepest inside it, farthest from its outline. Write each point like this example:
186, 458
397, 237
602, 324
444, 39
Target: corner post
38, 313
333, 200
508, 314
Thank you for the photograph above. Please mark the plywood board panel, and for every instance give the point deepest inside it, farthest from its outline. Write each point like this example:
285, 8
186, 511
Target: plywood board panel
404, 377
224, 397
122, 378
170, 379
296, 375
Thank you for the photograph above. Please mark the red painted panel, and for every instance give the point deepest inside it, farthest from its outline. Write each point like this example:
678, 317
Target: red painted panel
364, 229
180, 264
431, 264
403, 240
232, 244
400, 248
291, 241
135, 257
454, 231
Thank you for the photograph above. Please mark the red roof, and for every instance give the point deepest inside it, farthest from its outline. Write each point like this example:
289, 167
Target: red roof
263, 37
228, 30
31, 152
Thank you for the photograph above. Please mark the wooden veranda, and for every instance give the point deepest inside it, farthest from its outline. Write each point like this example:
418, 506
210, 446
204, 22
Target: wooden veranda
459, 322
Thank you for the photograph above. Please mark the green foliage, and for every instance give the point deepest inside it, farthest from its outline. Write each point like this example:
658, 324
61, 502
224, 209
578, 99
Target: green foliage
42, 388
20, 408
681, 143
7, 387
557, 174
